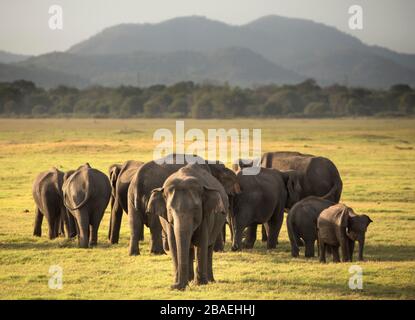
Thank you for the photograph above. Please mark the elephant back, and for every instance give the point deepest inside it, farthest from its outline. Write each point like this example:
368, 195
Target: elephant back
78, 188
50, 181
331, 221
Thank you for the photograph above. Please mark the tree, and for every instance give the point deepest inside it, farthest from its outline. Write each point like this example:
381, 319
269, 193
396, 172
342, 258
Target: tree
407, 103
316, 109
39, 109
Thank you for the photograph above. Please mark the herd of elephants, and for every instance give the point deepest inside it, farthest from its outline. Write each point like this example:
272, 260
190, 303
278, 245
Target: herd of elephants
186, 206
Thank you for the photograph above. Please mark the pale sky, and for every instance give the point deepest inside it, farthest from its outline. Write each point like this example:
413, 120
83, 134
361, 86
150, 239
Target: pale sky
24, 23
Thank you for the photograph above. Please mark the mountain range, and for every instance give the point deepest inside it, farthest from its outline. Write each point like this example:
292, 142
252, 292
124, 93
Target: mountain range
271, 49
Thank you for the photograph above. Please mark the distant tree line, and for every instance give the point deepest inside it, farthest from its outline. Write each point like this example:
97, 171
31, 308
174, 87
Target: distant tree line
187, 99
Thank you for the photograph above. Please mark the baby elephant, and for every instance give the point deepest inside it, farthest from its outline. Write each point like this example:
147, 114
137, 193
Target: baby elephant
86, 194
337, 226
302, 223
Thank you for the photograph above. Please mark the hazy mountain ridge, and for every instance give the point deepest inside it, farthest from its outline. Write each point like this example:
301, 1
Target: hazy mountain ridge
9, 57
269, 49
239, 66
41, 76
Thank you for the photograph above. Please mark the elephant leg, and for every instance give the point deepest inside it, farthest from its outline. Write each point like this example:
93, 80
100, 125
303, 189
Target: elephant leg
201, 270
271, 227
52, 232
351, 249
156, 245
210, 265
361, 247
82, 219
219, 243
237, 236
191, 263
309, 248
250, 238
136, 225
264, 234
72, 225
115, 222
173, 250
165, 241
322, 250
279, 213
335, 252
38, 223
93, 235
344, 245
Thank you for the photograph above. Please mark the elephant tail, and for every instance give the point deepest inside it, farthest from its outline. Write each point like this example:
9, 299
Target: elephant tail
292, 234
335, 192
88, 190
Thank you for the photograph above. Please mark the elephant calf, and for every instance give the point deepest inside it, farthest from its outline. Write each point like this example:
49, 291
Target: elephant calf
302, 223
337, 226
192, 207
86, 194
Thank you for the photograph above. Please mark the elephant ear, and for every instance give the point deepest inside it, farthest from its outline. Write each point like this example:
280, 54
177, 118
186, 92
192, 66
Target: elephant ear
157, 204
343, 217
213, 202
114, 172
293, 185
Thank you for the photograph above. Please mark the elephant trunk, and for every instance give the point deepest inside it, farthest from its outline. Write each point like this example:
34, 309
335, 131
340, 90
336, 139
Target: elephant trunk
237, 235
183, 235
361, 246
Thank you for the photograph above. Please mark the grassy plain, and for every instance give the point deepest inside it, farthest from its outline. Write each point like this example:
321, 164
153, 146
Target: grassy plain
375, 158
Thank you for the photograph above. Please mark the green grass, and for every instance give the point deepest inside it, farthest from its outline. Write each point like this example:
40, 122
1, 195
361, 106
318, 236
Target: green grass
375, 158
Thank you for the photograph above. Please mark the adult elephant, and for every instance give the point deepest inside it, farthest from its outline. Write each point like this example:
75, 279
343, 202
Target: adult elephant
192, 207
120, 177
316, 176
261, 201
302, 223
47, 194
152, 175
86, 194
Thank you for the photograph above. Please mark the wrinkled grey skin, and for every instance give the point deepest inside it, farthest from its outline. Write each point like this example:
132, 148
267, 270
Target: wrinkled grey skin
302, 223
120, 178
338, 226
47, 194
261, 201
86, 194
192, 207
150, 176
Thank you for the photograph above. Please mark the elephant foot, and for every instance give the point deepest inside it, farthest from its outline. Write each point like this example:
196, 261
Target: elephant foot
134, 252
295, 254
235, 248
201, 282
37, 234
247, 245
178, 286
158, 252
